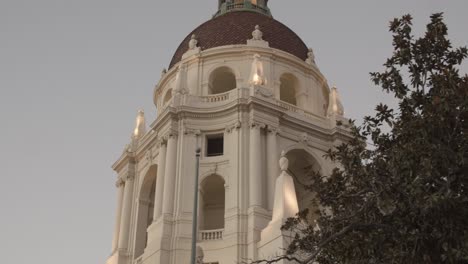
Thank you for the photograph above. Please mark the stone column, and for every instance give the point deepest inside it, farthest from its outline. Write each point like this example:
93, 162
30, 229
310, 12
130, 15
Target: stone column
120, 193
272, 165
159, 194
301, 100
255, 166
126, 212
170, 175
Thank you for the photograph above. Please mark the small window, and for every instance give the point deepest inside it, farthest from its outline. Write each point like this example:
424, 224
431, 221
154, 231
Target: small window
214, 145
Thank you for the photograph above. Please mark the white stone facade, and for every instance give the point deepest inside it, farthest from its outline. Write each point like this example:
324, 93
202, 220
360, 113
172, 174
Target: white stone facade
288, 110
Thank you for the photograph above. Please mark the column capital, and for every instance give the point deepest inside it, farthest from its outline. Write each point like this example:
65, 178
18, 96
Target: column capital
234, 126
161, 142
172, 133
256, 125
273, 130
128, 177
119, 183
149, 156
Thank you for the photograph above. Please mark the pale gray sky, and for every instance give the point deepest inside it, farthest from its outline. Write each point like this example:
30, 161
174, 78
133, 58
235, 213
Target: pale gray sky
74, 73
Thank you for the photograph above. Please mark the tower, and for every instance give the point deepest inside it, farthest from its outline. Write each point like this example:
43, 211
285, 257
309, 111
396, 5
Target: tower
245, 89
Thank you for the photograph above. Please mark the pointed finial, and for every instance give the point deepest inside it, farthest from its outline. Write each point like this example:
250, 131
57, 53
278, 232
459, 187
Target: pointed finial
140, 127
335, 107
257, 76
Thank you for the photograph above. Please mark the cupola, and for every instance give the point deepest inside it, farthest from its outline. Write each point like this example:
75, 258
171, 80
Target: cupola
259, 6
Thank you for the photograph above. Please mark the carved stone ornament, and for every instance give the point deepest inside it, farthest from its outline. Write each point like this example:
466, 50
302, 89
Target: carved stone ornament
149, 156
193, 43
265, 92
304, 138
200, 255
273, 130
190, 131
234, 126
170, 134
257, 34
129, 177
161, 142
284, 162
310, 57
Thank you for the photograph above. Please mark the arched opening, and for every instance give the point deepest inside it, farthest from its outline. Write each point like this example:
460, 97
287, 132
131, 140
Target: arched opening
222, 80
167, 97
145, 210
212, 203
288, 88
301, 167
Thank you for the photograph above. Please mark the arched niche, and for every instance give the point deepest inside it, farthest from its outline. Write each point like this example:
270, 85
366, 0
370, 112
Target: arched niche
212, 203
289, 87
222, 80
301, 165
145, 209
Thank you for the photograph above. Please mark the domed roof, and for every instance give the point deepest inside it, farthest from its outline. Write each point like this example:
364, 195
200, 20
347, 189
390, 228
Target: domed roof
236, 28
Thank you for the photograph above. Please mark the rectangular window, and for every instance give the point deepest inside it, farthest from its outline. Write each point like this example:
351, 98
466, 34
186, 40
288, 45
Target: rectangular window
214, 145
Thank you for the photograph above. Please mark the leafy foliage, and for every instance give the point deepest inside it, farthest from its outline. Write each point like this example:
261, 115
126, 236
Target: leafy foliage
405, 199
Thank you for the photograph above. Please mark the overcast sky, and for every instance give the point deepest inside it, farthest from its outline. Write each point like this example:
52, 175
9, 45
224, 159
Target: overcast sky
74, 73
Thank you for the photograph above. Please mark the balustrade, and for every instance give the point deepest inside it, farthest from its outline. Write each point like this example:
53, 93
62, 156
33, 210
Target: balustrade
209, 235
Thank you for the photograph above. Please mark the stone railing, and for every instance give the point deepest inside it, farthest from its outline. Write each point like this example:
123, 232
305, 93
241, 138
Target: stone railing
209, 235
297, 110
216, 100
215, 97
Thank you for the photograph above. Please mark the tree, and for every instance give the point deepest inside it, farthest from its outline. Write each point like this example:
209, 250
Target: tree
403, 198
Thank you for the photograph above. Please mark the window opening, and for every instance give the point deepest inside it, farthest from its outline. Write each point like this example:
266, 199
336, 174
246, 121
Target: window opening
214, 145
